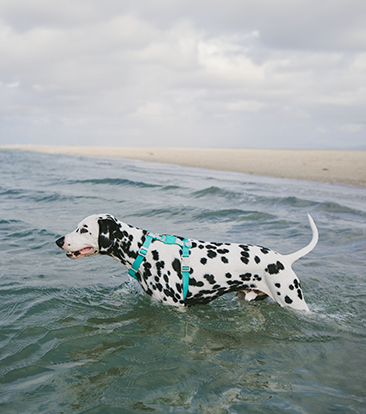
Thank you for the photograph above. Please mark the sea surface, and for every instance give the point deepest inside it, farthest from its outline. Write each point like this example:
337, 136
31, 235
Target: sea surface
76, 336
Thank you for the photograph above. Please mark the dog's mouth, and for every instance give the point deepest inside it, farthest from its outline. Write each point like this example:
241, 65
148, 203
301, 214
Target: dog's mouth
87, 251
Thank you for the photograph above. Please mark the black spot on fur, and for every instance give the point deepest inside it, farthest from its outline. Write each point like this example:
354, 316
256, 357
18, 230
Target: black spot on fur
246, 277
203, 260
228, 275
296, 283
222, 251
155, 255
159, 266
168, 292
291, 287
210, 279
237, 283
244, 260
176, 266
299, 293
211, 254
264, 250
278, 285
288, 300
193, 282
224, 259
244, 247
104, 244
147, 273
257, 259
274, 268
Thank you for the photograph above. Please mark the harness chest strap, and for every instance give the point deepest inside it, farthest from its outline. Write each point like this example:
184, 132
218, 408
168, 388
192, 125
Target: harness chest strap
166, 239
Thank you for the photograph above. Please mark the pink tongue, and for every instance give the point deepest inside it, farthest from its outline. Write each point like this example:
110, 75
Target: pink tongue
86, 250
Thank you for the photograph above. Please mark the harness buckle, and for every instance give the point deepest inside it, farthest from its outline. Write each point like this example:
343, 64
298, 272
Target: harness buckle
143, 251
185, 262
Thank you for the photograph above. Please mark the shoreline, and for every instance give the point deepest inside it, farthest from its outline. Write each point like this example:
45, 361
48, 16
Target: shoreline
332, 166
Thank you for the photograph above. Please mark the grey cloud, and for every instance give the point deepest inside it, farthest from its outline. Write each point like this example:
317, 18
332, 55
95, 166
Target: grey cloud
309, 24
284, 24
237, 73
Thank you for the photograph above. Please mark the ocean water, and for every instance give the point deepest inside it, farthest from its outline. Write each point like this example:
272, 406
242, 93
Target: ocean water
76, 337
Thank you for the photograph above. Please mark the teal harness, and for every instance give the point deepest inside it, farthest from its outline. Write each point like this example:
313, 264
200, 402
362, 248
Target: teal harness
166, 239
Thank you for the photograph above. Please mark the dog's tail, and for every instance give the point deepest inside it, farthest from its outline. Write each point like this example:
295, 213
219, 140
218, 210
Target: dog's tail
304, 251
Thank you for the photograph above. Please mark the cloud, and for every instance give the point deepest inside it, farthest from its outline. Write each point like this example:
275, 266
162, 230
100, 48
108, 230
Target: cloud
13, 85
352, 127
204, 73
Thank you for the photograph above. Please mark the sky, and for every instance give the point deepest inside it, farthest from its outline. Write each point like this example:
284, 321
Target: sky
184, 73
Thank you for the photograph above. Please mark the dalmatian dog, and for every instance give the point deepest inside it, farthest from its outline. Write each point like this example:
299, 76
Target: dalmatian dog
254, 272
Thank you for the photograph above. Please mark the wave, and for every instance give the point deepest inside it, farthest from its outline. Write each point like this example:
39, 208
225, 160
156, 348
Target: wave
234, 215
114, 182
11, 221
214, 191
31, 196
331, 207
168, 211
170, 187
293, 202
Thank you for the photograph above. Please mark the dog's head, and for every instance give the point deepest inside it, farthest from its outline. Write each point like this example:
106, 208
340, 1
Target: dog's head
94, 235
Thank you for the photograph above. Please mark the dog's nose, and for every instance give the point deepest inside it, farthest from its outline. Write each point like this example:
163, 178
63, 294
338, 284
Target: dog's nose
60, 242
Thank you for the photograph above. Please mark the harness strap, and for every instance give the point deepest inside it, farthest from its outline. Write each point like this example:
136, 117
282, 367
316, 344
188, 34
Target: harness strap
185, 267
140, 257
166, 239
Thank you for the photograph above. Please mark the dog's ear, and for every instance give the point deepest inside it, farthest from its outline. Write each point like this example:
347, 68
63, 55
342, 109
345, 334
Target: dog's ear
109, 229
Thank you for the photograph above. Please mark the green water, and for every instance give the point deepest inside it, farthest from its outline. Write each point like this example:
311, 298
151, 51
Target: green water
77, 337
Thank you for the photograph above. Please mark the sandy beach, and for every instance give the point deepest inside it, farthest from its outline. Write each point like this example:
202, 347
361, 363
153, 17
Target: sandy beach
334, 166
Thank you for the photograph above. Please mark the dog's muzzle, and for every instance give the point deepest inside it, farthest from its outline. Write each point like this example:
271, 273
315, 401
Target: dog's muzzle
86, 251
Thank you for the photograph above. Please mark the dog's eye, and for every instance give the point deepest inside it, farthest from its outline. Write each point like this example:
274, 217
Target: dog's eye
83, 231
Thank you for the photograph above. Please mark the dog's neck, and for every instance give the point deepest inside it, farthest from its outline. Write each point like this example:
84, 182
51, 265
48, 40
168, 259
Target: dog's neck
121, 241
